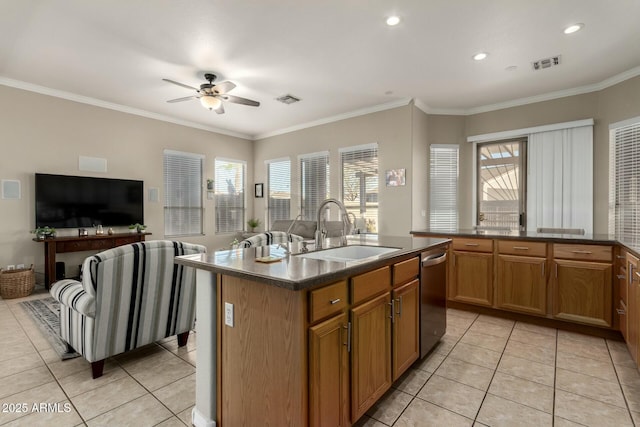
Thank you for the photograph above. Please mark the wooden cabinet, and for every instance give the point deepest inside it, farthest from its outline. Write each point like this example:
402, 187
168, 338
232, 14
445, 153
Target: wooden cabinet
370, 353
582, 283
406, 330
621, 280
633, 317
472, 271
521, 283
329, 373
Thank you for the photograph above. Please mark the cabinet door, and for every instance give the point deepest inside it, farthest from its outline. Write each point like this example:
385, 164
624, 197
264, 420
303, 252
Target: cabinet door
406, 332
582, 292
370, 353
632, 306
521, 284
329, 373
472, 280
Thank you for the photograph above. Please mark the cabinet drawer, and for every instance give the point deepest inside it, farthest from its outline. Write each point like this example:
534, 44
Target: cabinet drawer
370, 284
524, 248
583, 252
473, 245
327, 300
405, 271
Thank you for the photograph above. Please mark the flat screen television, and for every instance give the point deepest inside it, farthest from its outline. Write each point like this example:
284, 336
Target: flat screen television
64, 201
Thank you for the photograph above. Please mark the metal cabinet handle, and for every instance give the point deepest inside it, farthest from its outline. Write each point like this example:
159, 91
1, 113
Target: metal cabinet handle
582, 252
472, 244
392, 317
630, 276
334, 301
621, 276
399, 312
348, 343
520, 248
620, 257
620, 311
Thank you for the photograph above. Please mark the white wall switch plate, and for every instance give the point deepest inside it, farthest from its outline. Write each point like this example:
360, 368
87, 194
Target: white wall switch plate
228, 314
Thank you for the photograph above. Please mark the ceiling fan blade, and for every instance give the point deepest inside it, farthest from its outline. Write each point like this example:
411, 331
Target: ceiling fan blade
224, 87
220, 109
182, 84
186, 98
239, 100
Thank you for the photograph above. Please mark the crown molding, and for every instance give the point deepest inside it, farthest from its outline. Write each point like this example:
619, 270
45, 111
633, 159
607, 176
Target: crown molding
376, 108
116, 107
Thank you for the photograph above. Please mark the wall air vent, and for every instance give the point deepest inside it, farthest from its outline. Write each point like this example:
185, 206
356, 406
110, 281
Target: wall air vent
541, 64
288, 99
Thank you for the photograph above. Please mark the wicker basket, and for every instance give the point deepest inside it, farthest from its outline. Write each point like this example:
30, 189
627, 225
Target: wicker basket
17, 283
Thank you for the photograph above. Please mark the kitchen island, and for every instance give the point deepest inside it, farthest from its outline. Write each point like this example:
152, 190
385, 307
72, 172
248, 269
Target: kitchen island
303, 340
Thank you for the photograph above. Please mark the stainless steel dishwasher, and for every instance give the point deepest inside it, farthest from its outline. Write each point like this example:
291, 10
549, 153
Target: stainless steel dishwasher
433, 298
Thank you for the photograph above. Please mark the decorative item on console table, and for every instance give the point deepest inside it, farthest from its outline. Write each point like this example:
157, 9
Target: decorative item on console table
137, 228
44, 232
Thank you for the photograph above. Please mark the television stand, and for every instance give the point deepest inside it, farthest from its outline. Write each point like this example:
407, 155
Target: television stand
57, 245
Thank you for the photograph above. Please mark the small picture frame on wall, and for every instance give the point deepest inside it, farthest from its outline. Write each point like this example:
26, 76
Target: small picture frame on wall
395, 177
259, 190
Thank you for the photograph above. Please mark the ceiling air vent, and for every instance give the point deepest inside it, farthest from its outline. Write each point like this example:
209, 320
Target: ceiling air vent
541, 64
288, 99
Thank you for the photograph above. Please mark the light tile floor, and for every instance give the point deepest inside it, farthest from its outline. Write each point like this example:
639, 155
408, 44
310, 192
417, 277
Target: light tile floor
485, 371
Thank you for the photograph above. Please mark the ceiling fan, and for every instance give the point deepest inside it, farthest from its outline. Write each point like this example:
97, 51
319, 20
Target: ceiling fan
211, 95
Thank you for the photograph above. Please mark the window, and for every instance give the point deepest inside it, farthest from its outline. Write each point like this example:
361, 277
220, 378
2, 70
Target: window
182, 193
501, 173
360, 185
279, 188
314, 183
624, 165
443, 193
229, 195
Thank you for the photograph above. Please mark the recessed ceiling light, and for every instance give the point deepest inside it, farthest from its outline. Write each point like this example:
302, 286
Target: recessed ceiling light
393, 20
480, 56
573, 28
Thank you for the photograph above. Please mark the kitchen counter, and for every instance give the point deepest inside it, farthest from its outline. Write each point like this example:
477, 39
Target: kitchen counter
298, 273
631, 243
278, 313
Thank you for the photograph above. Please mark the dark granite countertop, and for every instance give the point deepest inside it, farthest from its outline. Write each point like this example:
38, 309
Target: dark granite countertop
631, 243
298, 273
521, 235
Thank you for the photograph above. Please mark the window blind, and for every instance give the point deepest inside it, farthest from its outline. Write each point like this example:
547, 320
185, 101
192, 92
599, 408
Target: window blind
625, 164
229, 195
182, 194
360, 185
443, 187
314, 183
279, 188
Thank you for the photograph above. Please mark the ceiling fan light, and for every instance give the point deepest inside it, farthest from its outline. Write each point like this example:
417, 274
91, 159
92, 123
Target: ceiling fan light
210, 102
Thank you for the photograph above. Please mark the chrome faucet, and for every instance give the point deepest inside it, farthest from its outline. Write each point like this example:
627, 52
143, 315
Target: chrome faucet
322, 232
289, 238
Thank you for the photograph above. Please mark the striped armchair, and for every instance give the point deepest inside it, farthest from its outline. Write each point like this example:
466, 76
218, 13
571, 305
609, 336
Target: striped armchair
129, 296
268, 238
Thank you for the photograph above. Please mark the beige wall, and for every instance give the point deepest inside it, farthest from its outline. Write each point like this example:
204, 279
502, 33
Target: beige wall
391, 129
39, 133
607, 106
420, 166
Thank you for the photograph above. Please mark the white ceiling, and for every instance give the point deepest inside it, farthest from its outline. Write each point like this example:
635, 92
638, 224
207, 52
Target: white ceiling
337, 55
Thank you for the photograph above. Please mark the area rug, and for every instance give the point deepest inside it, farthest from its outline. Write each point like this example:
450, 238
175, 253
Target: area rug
45, 313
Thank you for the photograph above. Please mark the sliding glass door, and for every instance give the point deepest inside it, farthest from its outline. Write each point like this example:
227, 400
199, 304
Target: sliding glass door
501, 185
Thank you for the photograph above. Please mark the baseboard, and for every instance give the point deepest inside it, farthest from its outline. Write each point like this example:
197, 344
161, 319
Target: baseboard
199, 420
541, 321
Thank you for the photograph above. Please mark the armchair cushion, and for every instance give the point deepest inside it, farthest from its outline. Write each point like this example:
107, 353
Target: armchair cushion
71, 294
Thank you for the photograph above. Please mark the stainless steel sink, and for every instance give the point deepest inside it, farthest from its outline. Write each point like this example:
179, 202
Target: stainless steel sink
349, 253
